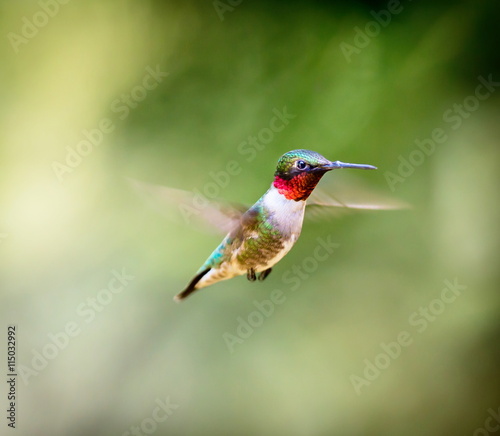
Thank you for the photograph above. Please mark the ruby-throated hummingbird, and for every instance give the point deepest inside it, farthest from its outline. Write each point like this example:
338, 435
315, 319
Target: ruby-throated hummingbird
258, 237
268, 230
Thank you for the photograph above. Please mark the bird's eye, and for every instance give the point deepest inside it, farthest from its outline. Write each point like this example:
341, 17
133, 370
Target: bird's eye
300, 164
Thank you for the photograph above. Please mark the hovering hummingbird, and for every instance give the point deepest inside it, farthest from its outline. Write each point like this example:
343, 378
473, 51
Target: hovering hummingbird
267, 231
260, 236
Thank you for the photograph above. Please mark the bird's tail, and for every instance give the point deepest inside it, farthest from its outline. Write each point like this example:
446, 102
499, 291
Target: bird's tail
191, 287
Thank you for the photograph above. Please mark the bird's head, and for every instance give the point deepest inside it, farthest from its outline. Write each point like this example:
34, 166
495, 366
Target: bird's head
299, 171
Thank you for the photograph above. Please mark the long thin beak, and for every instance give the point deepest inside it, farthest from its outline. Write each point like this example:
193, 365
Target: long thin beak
337, 164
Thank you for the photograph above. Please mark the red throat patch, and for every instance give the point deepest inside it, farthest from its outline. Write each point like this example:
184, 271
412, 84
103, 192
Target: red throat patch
299, 187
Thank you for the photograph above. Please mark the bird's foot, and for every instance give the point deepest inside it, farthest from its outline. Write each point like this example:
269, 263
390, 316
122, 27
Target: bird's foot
264, 274
251, 275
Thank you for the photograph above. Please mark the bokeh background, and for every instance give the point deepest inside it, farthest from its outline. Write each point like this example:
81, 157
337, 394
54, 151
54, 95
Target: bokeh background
228, 68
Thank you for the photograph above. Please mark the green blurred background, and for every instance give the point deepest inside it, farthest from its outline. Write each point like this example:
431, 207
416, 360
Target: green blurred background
62, 237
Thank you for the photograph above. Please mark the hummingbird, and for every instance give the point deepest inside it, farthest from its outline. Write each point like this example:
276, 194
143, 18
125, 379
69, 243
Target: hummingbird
262, 235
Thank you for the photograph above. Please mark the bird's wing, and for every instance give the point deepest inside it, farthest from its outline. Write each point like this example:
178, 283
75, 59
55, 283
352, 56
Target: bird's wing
342, 195
184, 206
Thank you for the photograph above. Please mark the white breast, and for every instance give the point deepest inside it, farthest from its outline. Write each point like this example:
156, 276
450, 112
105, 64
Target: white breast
288, 214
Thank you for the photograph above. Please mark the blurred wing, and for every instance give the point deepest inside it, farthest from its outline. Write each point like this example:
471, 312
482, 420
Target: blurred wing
333, 199
185, 207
